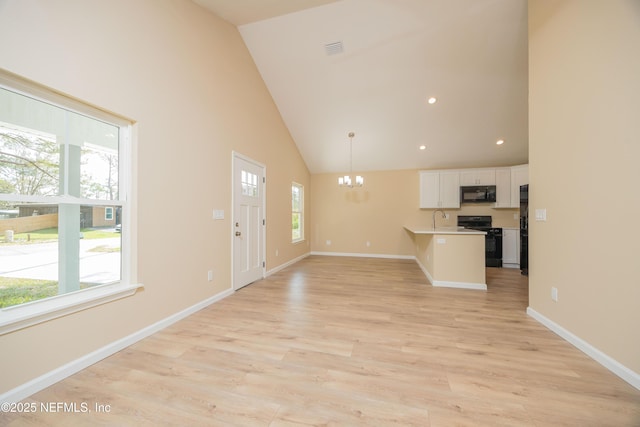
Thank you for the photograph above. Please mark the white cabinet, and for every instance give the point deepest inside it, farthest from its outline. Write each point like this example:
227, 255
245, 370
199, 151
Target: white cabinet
439, 189
519, 176
478, 177
450, 189
503, 188
511, 247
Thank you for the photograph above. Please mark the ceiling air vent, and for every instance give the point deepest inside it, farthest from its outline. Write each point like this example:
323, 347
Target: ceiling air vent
334, 48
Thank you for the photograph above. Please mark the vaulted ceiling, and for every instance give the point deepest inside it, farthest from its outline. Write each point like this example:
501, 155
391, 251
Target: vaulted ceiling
369, 67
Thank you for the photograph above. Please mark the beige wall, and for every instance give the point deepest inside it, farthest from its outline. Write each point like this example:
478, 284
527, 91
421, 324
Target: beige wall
187, 80
460, 260
584, 68
376, 213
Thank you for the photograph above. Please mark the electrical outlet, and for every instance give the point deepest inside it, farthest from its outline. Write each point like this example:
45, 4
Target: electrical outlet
210, 275
328, 242
368, 243
554, 294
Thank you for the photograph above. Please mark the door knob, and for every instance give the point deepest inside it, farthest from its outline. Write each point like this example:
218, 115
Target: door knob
238, 233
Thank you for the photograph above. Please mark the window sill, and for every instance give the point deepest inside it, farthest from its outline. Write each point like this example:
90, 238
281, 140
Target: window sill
295, 242
25, 315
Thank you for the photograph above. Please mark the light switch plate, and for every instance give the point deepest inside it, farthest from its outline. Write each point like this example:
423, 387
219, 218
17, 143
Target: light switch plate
218, 214
541, 214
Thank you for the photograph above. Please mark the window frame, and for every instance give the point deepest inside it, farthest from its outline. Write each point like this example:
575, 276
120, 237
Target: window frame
300, 212
28, 314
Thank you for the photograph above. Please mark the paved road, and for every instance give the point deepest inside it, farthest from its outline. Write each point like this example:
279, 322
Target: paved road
40, 261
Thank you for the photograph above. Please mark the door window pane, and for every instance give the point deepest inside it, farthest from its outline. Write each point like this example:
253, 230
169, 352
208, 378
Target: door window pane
249, 184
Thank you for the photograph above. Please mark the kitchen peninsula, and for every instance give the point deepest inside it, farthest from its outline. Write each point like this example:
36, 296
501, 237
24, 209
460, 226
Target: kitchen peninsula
451, 256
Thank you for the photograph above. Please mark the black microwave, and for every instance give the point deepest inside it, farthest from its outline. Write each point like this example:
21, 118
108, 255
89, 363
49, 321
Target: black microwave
478, 194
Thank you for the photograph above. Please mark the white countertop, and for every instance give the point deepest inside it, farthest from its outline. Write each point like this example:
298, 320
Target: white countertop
442, 230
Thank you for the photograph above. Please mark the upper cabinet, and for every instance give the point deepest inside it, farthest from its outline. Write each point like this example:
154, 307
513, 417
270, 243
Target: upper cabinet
503, 188
439, 189
519, 176
477, 177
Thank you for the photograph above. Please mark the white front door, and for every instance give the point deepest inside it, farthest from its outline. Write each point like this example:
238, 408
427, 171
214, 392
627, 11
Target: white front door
248, 221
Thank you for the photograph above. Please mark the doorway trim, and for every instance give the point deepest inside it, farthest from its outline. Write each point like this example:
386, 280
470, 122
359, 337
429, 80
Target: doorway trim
263, 187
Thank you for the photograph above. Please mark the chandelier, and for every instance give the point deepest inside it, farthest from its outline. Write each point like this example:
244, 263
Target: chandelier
345, 181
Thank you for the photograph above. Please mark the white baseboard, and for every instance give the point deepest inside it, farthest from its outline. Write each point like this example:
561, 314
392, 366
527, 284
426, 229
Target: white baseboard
460, 285
287, 264
37, 384
608, 362
362, 255
445, 284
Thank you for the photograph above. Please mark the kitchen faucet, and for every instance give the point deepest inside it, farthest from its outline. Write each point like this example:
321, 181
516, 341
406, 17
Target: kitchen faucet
444, 215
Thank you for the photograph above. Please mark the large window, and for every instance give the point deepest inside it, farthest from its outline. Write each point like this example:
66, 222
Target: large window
297, 212
64, 184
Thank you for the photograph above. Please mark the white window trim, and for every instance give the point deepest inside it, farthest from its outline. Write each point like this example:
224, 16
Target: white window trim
24, 315
301, 238
29, 314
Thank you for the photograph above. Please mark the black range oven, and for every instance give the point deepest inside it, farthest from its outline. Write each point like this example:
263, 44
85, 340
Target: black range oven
493, 238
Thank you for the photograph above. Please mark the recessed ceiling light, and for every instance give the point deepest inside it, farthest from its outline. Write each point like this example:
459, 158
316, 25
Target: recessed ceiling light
423, 147
432, 100
500, 142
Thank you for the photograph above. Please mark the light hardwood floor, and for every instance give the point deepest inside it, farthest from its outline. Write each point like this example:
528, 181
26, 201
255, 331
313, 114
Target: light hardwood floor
351, 341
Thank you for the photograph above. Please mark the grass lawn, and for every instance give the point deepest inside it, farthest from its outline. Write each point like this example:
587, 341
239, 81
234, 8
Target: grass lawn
14, 291
51, 234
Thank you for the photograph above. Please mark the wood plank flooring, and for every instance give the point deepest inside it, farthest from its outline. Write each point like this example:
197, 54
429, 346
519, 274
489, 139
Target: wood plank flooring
334, 341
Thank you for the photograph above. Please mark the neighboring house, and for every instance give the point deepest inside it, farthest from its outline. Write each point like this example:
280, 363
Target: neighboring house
90, 216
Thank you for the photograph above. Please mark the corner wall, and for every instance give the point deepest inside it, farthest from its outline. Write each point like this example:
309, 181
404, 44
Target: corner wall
187, 80
584, 141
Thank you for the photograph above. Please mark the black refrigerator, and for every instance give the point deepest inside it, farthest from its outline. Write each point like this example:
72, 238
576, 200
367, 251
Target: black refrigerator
524, 229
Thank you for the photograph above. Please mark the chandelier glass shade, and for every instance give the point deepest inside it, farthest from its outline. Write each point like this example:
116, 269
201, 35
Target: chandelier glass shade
345, 181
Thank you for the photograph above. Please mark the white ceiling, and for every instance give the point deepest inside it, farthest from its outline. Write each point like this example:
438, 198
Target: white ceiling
470, 54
